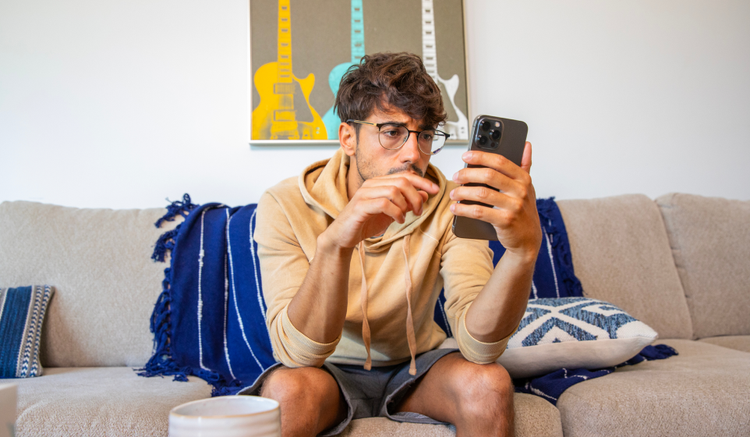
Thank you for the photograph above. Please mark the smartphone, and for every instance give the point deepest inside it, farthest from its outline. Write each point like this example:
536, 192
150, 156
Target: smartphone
493, 135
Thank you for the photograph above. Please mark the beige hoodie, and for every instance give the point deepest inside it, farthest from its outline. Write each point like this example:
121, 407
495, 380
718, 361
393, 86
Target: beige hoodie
290, 217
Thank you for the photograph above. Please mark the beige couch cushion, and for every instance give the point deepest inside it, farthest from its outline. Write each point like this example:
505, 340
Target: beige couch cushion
105, 401
105, 282
739, 342
621, 255
710, 239
704, 391
114, 401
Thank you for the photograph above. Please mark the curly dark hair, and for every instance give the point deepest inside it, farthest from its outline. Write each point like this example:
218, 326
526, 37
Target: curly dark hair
396, 80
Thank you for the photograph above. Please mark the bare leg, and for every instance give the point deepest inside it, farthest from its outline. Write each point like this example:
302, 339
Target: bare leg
476, 398
309, 398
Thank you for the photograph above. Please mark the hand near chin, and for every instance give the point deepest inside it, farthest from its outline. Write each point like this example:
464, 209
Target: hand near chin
512, 210
376, 204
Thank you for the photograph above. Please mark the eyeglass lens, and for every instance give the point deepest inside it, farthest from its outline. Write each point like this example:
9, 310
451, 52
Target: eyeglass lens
394, 136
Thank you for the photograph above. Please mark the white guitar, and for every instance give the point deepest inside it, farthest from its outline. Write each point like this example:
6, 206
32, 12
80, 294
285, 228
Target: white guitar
457, 129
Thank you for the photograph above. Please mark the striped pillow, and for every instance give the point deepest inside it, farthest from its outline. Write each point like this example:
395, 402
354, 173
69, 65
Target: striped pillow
22, 312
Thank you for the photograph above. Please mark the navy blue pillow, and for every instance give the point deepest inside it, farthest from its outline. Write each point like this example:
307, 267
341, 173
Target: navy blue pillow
22, 311
209, 320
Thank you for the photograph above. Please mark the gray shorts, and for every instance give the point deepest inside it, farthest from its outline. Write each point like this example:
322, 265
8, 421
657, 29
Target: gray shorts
371, 393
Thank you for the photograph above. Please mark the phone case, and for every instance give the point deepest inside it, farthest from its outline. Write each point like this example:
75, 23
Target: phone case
497, 135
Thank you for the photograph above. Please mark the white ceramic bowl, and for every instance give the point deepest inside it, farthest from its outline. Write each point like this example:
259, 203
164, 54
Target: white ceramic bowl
226, 416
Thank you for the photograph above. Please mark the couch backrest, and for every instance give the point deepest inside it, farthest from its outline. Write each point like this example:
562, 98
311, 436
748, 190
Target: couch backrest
710, 240
105, 282
621, 254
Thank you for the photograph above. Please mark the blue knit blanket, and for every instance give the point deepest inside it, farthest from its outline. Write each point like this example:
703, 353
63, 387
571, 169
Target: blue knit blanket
210, 319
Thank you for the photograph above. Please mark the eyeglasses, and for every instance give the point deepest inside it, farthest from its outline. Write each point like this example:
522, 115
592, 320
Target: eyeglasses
393, 136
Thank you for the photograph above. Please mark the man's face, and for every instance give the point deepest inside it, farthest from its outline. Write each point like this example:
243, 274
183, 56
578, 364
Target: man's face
372, 160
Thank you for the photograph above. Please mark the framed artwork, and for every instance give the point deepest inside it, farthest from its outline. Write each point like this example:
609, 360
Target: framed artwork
300, 49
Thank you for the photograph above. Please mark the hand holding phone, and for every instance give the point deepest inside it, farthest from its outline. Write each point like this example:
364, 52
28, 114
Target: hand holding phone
499, 136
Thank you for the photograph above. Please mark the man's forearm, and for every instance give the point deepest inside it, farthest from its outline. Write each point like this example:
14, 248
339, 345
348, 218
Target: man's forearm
500, 305
318, 310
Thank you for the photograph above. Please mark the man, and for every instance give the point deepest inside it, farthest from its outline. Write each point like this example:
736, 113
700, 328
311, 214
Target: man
354, 254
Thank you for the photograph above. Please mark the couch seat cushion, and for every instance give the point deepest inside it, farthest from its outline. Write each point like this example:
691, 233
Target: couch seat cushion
108, 401
535, 417
739, 342
100, 401
703, 391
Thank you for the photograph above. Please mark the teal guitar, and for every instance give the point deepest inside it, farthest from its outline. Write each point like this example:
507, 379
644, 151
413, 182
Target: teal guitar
331, 119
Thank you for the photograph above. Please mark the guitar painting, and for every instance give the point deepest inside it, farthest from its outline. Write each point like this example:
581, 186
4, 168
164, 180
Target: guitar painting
284, 111
458, 129
294, 105
331, 119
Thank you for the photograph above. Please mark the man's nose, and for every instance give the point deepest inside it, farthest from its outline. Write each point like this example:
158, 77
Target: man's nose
410, 151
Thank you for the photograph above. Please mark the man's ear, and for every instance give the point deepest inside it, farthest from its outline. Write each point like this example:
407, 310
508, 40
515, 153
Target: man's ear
348, 138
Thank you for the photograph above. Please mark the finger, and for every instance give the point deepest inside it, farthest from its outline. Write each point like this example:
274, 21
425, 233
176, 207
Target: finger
479, 212
416, 181
493, 161
390, 192
407, 189
488, 176
526, 159
487, 196
505, 176
382, 205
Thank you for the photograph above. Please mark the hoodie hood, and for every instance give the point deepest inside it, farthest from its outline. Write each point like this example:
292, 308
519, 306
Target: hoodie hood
324, 185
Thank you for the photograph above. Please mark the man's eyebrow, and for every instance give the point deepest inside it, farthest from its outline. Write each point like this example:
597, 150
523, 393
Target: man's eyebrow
421, 126
395, 123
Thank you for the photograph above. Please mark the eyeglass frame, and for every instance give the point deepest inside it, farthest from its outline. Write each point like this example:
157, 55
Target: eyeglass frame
408, 134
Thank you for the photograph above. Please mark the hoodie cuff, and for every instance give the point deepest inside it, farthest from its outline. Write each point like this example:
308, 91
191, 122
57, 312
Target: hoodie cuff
300, 350
477, 351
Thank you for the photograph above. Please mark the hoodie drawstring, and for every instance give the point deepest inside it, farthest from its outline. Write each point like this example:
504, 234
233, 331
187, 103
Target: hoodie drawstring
410, 336
410, 333
363, 300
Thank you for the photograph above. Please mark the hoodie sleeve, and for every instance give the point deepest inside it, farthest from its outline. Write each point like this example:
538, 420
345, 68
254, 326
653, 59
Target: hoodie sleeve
284, 265
466, 267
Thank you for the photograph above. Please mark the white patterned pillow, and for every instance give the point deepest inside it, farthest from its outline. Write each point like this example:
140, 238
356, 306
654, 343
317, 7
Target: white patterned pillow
572, 333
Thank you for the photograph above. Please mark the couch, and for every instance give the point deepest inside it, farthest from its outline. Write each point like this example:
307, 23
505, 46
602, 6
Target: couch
681, 264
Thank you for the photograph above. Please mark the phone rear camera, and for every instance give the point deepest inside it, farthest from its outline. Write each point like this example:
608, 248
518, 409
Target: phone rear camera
482, 140
495, 134
485, 125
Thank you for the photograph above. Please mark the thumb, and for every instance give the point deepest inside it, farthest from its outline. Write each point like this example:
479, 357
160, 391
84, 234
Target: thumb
526, 158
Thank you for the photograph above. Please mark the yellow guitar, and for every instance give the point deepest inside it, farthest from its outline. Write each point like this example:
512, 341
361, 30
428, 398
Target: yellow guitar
275, 118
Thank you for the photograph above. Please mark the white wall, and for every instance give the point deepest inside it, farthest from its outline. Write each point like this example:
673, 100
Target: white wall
123, 103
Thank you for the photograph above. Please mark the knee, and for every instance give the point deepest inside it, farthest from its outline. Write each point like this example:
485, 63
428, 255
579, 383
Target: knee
309, 399
485, 390
298, 386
